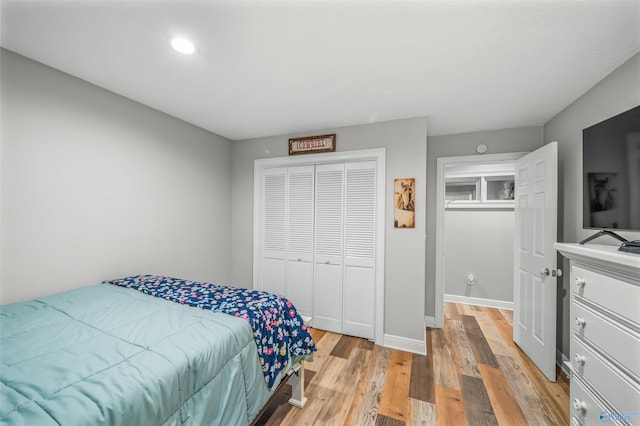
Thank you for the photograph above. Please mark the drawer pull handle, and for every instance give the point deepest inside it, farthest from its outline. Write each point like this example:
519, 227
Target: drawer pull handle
579, 406
580, 359
580, 281
299, 259
581, 322
327, 262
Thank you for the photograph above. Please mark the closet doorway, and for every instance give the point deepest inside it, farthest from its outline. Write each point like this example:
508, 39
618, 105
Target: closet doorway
319, 237
474, 231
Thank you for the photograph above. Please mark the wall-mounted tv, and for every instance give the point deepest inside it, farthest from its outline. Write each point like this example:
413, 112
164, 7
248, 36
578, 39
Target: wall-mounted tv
611, 172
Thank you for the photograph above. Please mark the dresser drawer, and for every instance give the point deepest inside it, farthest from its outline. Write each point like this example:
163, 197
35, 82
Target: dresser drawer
618, 296
621, 344
586, 408
621, 392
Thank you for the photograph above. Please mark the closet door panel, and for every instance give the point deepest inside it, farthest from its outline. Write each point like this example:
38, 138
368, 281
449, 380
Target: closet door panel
300, 214
273, 260
329, 206
327, 313
300, 286
360, 214
359, 298
273, 276
328, 246
360, 250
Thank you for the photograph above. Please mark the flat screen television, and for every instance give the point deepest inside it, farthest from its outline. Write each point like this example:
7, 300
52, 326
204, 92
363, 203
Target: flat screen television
611, 173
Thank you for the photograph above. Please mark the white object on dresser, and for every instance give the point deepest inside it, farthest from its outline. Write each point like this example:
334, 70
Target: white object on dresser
605, 334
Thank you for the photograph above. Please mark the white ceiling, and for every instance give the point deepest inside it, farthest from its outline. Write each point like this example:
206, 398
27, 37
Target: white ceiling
275, 67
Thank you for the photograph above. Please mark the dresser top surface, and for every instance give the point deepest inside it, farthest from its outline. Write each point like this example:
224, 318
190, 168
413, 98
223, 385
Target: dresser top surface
599, 253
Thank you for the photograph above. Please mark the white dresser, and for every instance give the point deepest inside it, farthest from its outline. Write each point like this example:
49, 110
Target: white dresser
605, 334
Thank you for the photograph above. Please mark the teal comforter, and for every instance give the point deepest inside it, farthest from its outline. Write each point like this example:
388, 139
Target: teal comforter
114, 356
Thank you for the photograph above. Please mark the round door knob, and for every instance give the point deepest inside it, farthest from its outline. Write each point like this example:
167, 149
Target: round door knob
580, 359
580, 281
581, 322
579, 405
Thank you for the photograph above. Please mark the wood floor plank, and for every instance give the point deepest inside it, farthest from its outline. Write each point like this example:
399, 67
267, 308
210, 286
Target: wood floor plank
396, 386
502, 325
508, 315
366, 344
364, 408
444, 366
504, 403
495, 340
344, 346
318, 392
463, 354
316, 333
477, 404
477, 341
449, 407
325, 345
421, 413
451, 312
336, 407
464, 309
421, 381
388, 421
532, 405
552, 392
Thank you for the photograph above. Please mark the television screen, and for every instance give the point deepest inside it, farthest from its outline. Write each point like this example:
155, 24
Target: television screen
611, 172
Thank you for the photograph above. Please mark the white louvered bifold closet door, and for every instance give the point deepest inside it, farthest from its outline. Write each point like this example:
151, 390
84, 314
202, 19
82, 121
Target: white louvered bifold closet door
300, 214
274, 231
359, 248
328, 244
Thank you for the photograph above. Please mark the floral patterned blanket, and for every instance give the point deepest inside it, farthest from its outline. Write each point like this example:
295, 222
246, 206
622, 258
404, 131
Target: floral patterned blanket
277, 327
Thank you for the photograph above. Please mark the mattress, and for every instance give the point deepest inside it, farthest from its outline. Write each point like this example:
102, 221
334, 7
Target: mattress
114, 356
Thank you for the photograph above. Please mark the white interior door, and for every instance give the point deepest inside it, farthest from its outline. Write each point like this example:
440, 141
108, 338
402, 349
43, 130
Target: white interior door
535, 273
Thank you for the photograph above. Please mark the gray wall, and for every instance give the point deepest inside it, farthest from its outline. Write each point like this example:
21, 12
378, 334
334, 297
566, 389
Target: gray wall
480, 242
95, 186
521, 139
616, 93
405, 143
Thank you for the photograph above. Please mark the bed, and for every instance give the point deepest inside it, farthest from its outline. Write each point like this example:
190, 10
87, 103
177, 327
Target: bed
116, 354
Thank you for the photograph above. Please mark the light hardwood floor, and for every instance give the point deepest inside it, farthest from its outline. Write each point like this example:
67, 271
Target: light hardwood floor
474, 374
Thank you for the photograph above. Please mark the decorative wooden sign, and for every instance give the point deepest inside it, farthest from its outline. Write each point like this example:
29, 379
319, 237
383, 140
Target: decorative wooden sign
312, 144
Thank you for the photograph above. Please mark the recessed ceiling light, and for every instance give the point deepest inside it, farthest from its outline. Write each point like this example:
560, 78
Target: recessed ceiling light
183, 45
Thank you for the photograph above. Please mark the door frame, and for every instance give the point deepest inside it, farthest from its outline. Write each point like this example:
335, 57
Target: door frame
377, 155
442, 163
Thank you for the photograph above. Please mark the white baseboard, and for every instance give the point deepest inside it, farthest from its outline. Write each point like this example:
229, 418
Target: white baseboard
408, 345
489, 303
430, 322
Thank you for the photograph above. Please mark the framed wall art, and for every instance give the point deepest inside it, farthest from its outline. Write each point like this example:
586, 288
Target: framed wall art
404, 203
